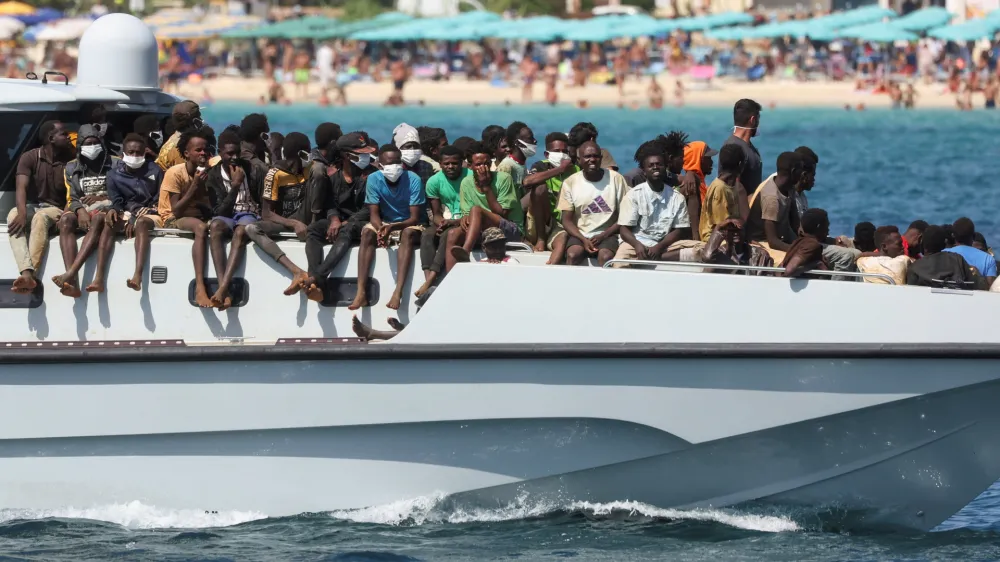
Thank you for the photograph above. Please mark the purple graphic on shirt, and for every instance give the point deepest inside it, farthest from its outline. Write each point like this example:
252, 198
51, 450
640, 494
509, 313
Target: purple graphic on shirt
598, 205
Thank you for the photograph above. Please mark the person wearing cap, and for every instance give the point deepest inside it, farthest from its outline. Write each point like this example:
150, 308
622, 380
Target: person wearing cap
396, 200
285, 204
234, 188
97, 115
343, 212
87, 202
407, 140
186, 117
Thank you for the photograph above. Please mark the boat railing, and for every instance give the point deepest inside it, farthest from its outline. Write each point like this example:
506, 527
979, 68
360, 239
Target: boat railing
751, 268
520, 247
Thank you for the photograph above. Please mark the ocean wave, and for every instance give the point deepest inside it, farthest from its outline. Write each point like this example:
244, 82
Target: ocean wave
433, 509
137, 515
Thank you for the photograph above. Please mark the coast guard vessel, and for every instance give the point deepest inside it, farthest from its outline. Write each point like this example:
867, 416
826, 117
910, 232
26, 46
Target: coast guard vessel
869, 403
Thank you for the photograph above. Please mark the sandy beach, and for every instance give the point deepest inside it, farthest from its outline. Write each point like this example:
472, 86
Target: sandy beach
720, 93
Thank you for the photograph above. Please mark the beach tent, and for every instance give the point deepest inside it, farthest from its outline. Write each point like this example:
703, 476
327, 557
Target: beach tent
972, 30
922, 20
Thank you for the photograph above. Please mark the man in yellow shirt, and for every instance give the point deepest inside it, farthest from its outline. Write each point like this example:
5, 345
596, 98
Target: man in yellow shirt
722, 200
186, 117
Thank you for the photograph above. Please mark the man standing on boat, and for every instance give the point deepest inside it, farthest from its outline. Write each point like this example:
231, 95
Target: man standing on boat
39, 201
589, 202
286, 208
88, 203
746, 122
343, 211
395, 196
134, 189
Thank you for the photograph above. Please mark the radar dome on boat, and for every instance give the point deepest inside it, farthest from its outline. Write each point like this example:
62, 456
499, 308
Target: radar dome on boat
118, 52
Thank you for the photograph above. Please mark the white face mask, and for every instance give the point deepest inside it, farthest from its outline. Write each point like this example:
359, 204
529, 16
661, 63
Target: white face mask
102, 129
392, 172
529, 150
363, 160
411, 157
754, 131
157, 138
304, 157
133, 162
91, 151
556, 158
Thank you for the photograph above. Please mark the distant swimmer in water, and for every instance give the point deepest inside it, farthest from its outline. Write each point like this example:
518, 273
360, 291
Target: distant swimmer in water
655, 92
551, 75
990, 92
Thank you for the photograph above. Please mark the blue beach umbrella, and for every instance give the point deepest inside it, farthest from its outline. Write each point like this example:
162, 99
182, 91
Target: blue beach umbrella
878, 33
922, 20
972, 30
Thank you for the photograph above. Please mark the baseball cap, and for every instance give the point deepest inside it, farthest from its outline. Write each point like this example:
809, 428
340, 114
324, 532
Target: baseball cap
710, 152
493, 234
356, 142
186, 107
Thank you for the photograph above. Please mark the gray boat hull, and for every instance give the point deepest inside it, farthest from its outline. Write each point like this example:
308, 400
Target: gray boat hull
903, 442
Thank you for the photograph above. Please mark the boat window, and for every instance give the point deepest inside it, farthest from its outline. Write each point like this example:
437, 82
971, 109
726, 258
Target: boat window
18, 129
239, 290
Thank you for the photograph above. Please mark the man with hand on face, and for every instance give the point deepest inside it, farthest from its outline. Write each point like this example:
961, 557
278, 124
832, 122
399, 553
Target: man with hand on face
543, 183
343, 210
395, 196
443, 194
39, 200
589, 203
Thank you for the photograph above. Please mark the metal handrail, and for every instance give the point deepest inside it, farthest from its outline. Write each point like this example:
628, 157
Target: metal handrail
733, 267
520, 247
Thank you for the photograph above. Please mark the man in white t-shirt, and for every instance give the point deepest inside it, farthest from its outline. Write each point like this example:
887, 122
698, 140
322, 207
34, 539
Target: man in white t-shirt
589, 201
324, 64
653, 216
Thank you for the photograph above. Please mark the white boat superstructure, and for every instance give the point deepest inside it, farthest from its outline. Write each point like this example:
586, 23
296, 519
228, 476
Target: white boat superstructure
868, 404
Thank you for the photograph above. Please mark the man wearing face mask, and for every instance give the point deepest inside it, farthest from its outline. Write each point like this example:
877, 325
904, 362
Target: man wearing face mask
746, 122
543, 184
186, 118
149, 128
521, 141
97, 115
286, 208
254, 134
407, 140
134, 190
432, 140
343, 211
87, 202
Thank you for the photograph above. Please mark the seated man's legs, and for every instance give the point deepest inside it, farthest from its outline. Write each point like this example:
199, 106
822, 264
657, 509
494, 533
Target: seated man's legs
200, 230
432, 256
556, 244
366, 256
22, 256
259, 232
68, 282
408, 238
220, 229
575, 252
453, 237
143, 232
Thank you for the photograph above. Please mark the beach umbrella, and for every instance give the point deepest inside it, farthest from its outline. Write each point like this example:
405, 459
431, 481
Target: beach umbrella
972, 30
922, 20
712, 21
40, 16
10, 24
540, 28
62, 30
12, 8
730, 33
651, 27
595, 29
877, 33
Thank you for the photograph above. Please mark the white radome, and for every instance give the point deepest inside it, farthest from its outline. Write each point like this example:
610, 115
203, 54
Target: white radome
119, 52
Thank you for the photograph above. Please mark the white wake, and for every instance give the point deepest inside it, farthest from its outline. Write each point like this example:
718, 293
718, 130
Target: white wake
429, 509
137, 515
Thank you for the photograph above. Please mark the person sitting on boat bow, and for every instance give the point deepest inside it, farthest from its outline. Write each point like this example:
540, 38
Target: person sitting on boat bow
88, 203
186, 118
543, 222
806, 252
287, 206
134, 189
771, 205
407, 140
432, 140
939, 268
964, 231
443, 194
40, 196
728, 245
589, 201
396, 200
487, 199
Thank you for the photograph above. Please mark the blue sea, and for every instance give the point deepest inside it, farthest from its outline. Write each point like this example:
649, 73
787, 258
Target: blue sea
880, 166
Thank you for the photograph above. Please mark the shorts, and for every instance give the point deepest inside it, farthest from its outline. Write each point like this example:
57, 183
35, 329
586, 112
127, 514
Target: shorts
94, 208
158, 221
610, 243
398, 85
240, 219
301, 76
394, 236
554, 230
510, 230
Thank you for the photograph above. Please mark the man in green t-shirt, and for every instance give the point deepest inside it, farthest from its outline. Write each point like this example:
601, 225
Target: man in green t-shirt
487, 199
543, 227
446, 214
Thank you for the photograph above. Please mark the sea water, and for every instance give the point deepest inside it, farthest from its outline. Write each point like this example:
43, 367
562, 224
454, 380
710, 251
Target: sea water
887, 167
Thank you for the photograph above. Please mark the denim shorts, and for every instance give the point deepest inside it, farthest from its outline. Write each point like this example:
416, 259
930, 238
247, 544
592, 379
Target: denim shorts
241, 219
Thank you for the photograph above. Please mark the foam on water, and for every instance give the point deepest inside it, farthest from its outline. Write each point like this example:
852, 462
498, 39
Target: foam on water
137, 515
429, 509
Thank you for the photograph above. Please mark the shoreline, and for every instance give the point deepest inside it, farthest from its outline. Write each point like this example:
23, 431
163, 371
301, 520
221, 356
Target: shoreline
459, 92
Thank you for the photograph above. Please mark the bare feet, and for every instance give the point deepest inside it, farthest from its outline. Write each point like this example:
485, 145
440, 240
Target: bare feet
540, 246
67, 286
394, 301
460, 254
95, 287
360, 329
297, 285
24, 284
221, 299
134, 283
361, 299
314, 293
427, 285
201, 297
396, 324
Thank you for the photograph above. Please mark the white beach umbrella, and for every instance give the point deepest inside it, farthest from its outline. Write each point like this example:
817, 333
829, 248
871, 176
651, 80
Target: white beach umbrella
10, 25
64, 30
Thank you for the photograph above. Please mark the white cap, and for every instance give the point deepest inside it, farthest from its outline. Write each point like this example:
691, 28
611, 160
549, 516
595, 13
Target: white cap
119, 52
